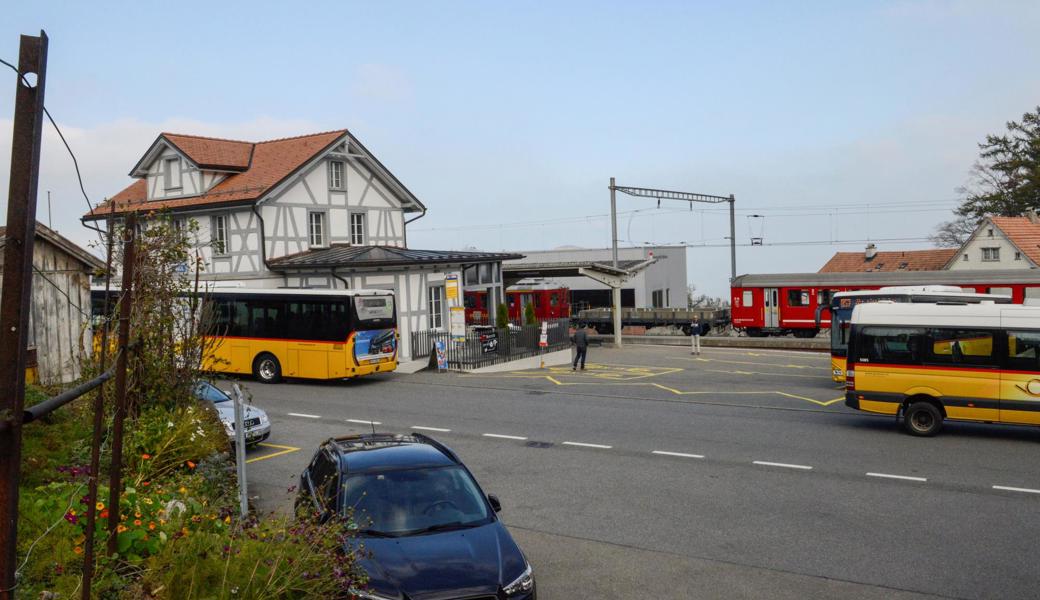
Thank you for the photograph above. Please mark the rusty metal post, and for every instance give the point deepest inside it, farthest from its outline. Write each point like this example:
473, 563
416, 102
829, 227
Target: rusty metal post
17, 286
99, 423
115, 473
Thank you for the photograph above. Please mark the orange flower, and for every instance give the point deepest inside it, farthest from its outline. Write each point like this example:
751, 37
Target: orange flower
146, 456
104, 514
151, 525
100, 506
191, 465
137, 522
121, 528
146, 483
78, 550
137, 514
184, 531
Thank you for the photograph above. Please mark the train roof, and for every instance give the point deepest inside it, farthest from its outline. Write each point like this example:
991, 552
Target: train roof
880, 278
277, 291
940, 315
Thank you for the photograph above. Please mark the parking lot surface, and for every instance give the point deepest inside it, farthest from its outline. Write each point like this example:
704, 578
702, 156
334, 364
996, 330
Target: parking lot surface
737, 473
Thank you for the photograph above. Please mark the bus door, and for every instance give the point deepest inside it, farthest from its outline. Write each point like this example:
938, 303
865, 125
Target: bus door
1020, 380
772, 307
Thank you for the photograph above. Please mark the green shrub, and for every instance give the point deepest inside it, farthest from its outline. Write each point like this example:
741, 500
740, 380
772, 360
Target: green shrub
529, 318
164, 439
501, 315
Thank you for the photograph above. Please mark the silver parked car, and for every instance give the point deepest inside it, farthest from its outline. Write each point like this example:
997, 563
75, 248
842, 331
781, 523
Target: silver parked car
257, 425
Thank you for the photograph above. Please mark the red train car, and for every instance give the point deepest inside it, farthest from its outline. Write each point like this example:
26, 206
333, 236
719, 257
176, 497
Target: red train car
551, 301
778, 304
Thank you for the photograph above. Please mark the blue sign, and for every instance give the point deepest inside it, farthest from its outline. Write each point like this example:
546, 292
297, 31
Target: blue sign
442, 355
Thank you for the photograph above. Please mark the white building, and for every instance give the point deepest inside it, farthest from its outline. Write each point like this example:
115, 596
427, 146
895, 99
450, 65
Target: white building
660, 285
315, 211
1000, 243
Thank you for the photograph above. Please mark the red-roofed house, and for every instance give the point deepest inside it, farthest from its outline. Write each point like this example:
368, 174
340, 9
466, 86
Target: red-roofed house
900, 260
1000, 243
315, 211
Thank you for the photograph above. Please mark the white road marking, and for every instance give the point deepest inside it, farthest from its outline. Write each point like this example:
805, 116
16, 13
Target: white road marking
424, 428
903, 477
504, 437
679, 454
784, 465
584, 445
1016, 489
363, 422
304, 415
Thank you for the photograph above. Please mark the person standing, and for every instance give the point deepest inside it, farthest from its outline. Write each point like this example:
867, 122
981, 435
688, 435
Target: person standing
695, 336
581, 346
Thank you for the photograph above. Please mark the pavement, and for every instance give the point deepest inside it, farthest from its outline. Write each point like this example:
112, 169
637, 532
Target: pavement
735, 474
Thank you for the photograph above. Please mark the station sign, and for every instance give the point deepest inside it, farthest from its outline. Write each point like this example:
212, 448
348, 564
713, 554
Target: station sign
451, 287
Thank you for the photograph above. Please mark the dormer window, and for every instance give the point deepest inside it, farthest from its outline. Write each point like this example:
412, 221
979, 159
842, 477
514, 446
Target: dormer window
989, 232
336, 174
172, 173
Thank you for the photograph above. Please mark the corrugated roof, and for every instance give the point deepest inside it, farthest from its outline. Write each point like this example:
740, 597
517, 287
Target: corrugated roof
382, 256
272, 162
899, 260
73, 249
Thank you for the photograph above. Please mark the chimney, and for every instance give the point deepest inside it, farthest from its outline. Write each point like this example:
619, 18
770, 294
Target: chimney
871, 251
1032, 216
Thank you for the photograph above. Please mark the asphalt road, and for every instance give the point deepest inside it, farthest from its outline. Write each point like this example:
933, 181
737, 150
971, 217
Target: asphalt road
738, 474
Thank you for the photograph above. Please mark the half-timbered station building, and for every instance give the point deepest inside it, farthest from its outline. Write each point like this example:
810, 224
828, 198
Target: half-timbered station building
313, 211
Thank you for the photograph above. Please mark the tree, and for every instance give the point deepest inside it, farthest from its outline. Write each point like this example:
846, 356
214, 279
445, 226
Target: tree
501, 315
1004, 181
953, 234
529, 317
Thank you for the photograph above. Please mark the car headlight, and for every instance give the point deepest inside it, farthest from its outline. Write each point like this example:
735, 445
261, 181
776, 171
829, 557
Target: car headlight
523, 583
229, 427
367, 595
263, 419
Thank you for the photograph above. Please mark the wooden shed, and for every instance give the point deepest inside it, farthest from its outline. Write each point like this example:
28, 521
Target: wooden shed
59, 324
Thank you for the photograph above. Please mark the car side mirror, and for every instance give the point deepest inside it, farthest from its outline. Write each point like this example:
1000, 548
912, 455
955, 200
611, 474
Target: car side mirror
496, 504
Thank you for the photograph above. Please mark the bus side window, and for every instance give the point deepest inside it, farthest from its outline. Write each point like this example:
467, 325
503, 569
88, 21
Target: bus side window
892, 345
1023, 352
961, 347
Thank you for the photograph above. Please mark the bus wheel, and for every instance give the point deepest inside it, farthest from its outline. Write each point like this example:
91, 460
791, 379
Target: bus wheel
266, 369
922, 418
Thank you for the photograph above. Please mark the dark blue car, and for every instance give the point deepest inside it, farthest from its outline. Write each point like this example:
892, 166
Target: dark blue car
432, 534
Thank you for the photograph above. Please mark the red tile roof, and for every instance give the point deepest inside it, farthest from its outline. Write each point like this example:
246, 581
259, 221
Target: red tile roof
898, 260
1023, 232
271, 162
213, 153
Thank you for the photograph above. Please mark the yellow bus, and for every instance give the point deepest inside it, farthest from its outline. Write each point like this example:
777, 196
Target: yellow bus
305, 333
926, 363
842, 303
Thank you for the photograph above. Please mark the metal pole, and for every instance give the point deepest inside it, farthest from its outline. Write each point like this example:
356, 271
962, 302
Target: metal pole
17, 287
732, 238
615, 291
240, 454
115, 475
99, 423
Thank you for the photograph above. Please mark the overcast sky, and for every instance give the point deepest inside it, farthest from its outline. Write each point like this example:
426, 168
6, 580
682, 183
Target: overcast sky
837, 121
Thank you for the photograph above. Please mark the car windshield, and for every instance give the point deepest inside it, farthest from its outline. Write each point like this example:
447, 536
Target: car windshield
413, 501
209, 392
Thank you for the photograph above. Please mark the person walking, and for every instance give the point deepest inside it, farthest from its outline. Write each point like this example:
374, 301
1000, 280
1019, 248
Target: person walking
695, 336
581, 346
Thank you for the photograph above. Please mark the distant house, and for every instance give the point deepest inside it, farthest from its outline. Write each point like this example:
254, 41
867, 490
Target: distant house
317, 211
899, 260
1000, 243
60, 314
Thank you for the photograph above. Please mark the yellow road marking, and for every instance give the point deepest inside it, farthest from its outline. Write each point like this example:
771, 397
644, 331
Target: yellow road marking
744, 362
283, 450
822, 376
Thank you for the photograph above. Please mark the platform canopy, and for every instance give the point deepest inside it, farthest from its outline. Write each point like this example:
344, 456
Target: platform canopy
512, 272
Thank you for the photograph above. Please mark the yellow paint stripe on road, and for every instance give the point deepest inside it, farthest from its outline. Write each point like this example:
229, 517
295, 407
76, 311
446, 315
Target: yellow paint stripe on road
743, 362
823, 376
281, 451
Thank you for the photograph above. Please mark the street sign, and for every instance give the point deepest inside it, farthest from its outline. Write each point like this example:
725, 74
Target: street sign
457, 323
543, 339
451, 287
442, 355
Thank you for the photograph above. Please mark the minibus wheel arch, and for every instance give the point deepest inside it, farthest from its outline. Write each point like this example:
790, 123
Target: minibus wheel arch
921, 397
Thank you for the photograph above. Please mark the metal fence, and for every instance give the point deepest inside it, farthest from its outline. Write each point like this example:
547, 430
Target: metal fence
486, 346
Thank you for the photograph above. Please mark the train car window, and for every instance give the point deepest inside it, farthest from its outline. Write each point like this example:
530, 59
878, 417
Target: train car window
1032, 292
797, 298
748, 299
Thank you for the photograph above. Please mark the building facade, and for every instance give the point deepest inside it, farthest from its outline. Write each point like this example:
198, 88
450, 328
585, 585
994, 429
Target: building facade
313, 211
662, 284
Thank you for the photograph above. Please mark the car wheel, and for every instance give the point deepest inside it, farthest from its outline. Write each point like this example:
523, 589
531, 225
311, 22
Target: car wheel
266, 369
922, 418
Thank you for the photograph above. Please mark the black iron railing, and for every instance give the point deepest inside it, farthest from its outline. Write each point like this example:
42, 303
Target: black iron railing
487, 346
